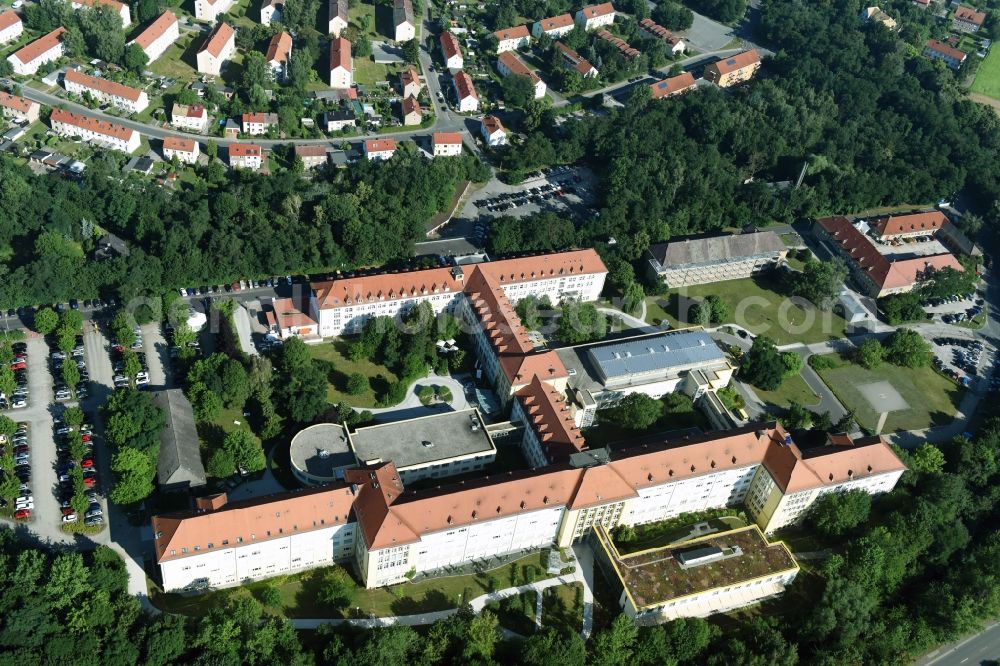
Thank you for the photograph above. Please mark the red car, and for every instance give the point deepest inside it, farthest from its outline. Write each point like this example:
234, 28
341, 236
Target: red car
85, 438
118, 348
18, 365
87, 463
89, 482
67, 510
21, 514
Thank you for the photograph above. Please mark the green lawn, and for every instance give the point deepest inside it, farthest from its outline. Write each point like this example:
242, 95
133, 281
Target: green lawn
793, 389
516, 613
987, 80
562, 607
758, 305
176, 61
355, 13
339, 367
932, 398
367, 71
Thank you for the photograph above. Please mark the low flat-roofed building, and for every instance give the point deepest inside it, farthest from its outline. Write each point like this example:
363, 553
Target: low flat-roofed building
179, 465
701, 577
433, 446
689, 261
320, 453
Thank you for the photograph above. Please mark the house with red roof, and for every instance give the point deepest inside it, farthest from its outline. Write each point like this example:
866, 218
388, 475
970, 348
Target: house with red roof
734, 69
967, 19
18, 109
465, 92
592, 17
184, 149
379, 149
451, 51
674, 85
246, 156
949, 55
99, 133
106, 91
508, 64
341, 64
574, 61
446, 144
278, 51
555, 26
217, 50
11, 26
193, 117
511, 39
160, 34
43, 50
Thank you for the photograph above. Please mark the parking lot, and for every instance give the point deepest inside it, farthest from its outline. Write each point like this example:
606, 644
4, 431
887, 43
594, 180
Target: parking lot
956, 309
964, 359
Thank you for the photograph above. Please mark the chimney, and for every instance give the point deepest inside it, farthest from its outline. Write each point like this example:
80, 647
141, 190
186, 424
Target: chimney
211, 502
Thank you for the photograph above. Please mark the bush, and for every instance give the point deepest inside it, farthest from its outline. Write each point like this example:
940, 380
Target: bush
221, 464
822, 362
357, 384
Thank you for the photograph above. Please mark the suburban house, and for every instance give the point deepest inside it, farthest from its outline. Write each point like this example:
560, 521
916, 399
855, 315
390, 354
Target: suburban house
409, 82
509, 64
117, 95
312, 156
186, 150
341, 64
736, 69
193, 118
271, 10
620, 44
967, 19
949, 55
115, 6
18, 109
11, 27
337, 17
688, 261
179, 466
96, 132
43, 50
160, 34
412, 113
573, 60
511, 39
596, 16
451, 51
403, 26
876, 15
493, 131
465, 92
339, 119
246, 156
656, 31
209, 10
379, 149
277, 55
554, 27
674, 85
217, 50
257, 124
447, 144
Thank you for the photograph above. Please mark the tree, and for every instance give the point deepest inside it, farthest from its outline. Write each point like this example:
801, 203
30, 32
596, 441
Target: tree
846, 423
362, 46
870, 353
71, 320
46, 321
221, 464
246, 451
517, 90
550, 646
235, 384
70, 374
719, 309
673, 16
337, 589
482, 637
7, 426
411, 51
146, 10
792, 364
580, 322
615, 645
65, 339
212, 150
822, 421
255, 72
901, 308
135, 472
797, 417
906, 347
927, 458
135, 58
357, 384
73, 416
701, 314
763, 366
834, 514
636, 411
821, 282
205, 403
131, 364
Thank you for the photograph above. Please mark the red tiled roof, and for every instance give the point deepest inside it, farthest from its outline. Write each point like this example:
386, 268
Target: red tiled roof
8, 18
178, 143
551, 421
102, 85
492, 124
308, 151
672, 85
19, 104
156, 29
340, 54
36, 48
411, 105
447, 138
280, 47
736, 62
556, 22
463, 84
969, 15
245, 150
379, 145
218, 39
262, 118
595, 11
945, 50
838, 462
891, 225
517, 32
622, 46
516, 66
579, 63
92, 124
285, 312
449, 45
190, 111
408, 76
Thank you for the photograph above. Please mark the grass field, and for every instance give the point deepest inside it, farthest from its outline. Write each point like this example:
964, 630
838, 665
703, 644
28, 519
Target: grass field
562, 607
793, 389
758, 305
176, 61
367, 71
932, 398
339, 367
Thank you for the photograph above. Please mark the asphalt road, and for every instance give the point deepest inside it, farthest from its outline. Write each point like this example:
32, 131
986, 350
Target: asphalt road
982, 648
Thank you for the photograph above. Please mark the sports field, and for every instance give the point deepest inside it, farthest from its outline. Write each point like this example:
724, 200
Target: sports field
988, 77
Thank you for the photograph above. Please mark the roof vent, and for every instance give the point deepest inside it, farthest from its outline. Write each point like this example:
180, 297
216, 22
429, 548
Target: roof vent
670, 472
522, 504
498, 508
692, 468
850, 473
324, 454
734, 460
473, 514
450, 520
831, 476
869, 469
545, 500
649, 477
427, 443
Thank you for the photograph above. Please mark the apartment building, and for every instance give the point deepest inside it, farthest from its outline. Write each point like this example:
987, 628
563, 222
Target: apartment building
967, 19
209, 10
337, 17
18, 109
595, 16
403, 25
257, 124
674, 85
574, 61
465, 92
447, 144
184, 149
271, 10
117, 95
96, 132
493, 131
689, 261
217, 50
11, 27
452, 51
508, 64
246, 156
555, 27
375, 149
160, 34
193, 117
409, 83
118, 8
312, 156
551, 434
731, 71
278, 51
511, 39
341, 64
42, 51
949, 55
412, 113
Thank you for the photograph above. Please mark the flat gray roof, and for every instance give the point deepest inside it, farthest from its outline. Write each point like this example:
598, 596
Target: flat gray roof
716, 249
655, 353
423, 440
321, 449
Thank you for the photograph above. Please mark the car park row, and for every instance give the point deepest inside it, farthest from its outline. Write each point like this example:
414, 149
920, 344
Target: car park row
18, 399
19, 444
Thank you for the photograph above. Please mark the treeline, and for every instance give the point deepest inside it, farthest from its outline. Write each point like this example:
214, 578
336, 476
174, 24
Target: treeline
244, 225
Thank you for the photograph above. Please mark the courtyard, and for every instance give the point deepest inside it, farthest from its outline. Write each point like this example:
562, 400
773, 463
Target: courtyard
338, 367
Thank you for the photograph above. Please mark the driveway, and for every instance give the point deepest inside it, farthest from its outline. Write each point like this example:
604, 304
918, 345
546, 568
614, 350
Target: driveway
411, 407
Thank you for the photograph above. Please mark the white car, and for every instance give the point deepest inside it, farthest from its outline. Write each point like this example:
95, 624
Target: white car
71, 518
64, 430
24, 505
19, 404
25, 498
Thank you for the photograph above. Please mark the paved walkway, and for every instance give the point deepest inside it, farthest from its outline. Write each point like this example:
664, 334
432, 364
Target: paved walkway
411, 403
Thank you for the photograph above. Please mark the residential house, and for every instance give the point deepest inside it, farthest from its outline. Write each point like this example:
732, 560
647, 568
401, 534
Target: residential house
511, 39
193, 118
656, 31
620, 44
277, 55
403, 25
596, 16
509, 64
160, 34
447, 144
412, 113
465, 92
967, 19
18, 109
409, 83
186, 150
451, 51
674, 85
949, 55
271, 10
380, 149
731, 71
339, 119
99, 133
11, 27
554, 27
115, 6
684, 262
312, 156
217, 50
341, 64
257, 124
574, 61
209, 10
117, 95
876, 15
493, 131
43, 50
246, 156
337, 18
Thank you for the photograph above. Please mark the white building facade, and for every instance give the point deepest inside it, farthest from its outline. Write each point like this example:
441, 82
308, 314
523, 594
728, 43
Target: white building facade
218, 50
95, 132
42, 51
19, 109
209, 10
11, 27
117, 95
158, 37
